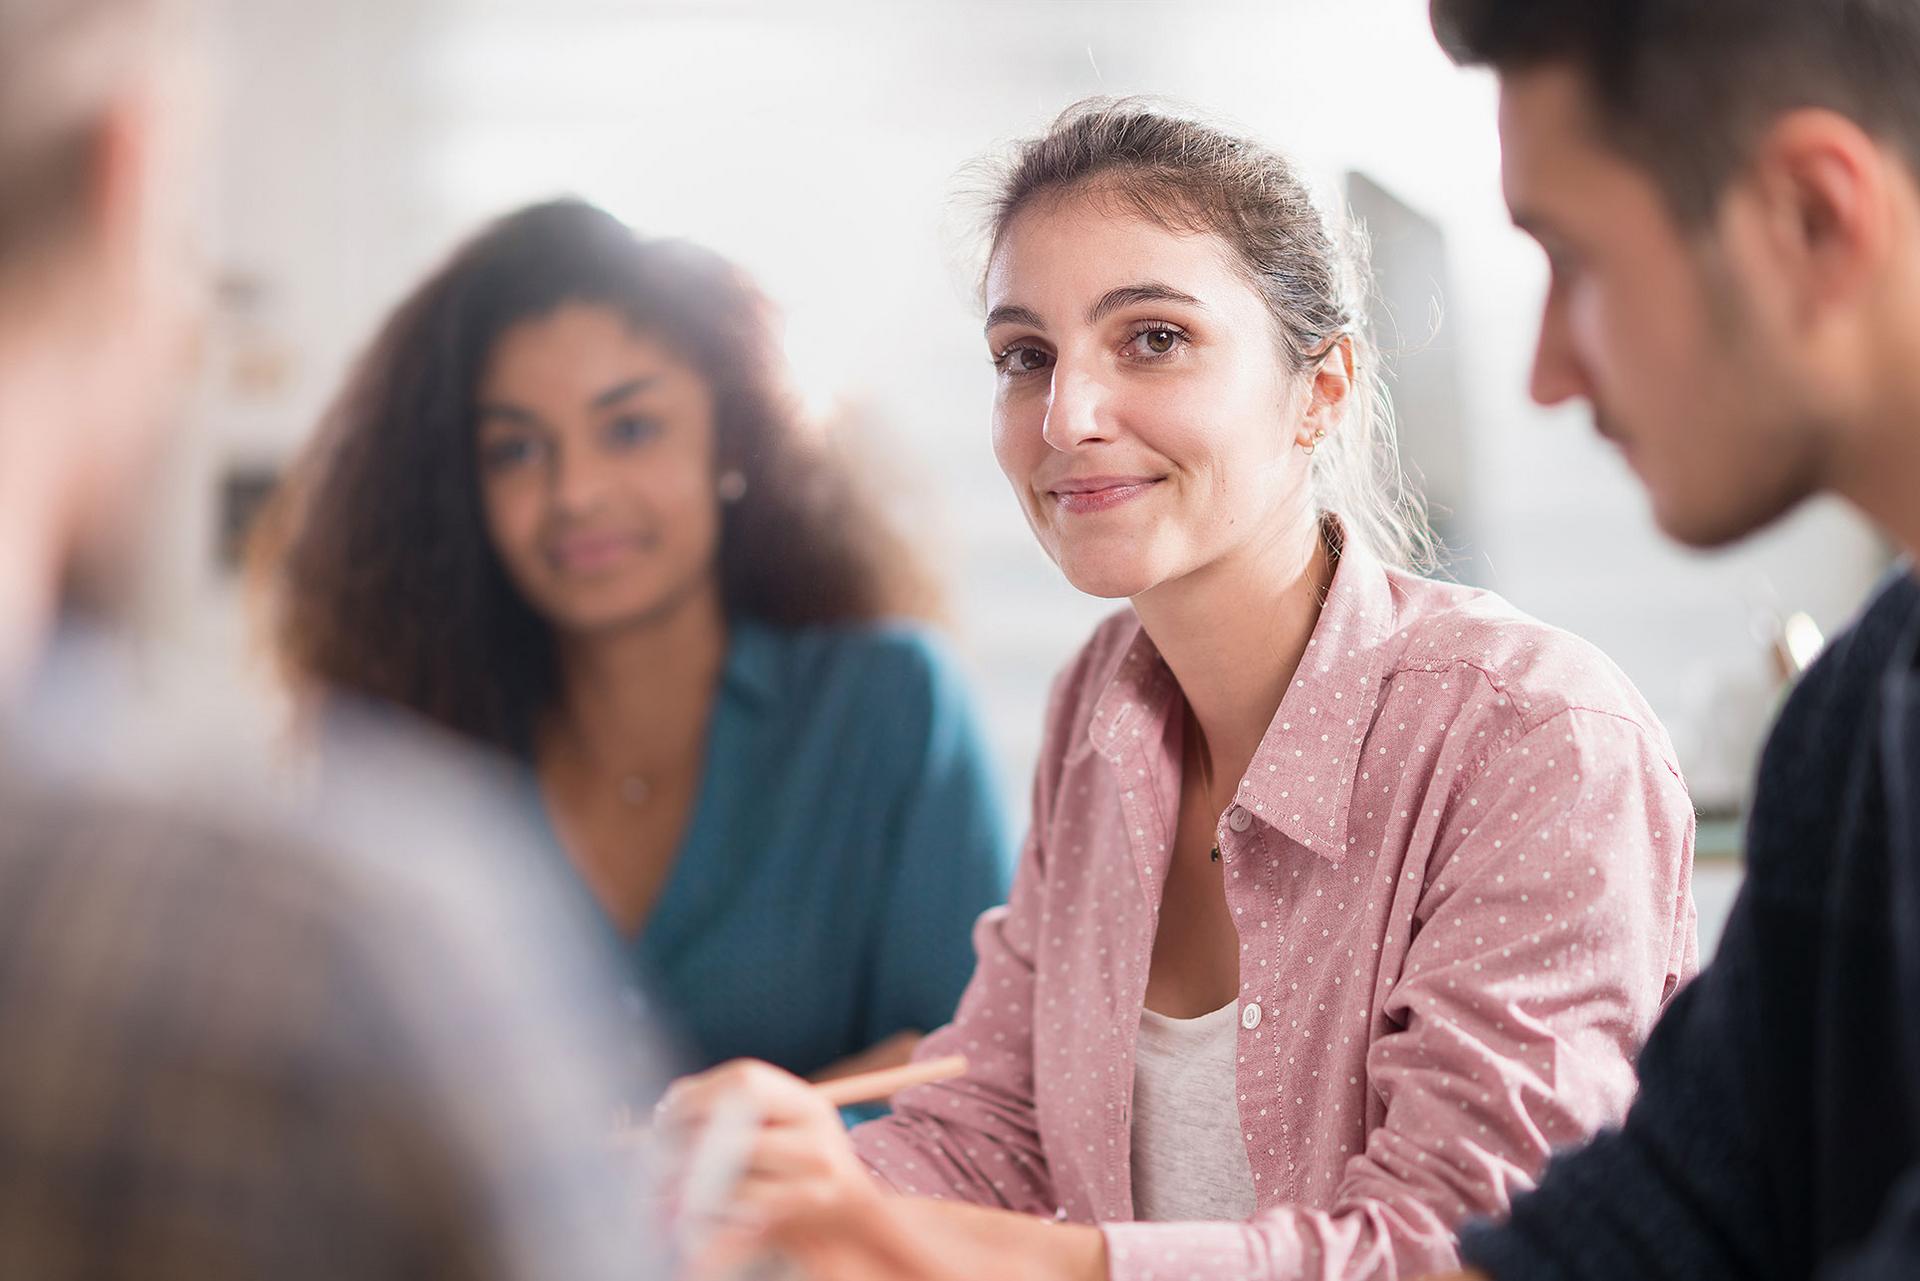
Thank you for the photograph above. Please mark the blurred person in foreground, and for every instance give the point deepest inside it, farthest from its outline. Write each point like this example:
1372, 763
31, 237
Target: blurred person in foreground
1726, 193
566, 507
226, 1051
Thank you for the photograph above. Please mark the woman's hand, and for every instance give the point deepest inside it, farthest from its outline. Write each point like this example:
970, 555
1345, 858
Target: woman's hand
897, 1238
800, 1154
802, 1194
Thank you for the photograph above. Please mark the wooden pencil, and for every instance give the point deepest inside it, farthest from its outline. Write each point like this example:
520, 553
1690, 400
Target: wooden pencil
871, 1087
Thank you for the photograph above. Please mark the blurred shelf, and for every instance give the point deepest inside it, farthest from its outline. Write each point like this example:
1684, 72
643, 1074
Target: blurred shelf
1720, 838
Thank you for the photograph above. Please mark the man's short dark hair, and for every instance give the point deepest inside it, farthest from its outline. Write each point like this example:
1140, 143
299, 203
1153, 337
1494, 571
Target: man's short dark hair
1684, 87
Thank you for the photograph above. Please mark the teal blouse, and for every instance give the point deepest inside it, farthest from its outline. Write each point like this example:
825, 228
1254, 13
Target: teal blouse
846, 836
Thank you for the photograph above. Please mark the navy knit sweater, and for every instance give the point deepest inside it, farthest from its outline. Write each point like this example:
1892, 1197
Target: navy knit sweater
1777, 1129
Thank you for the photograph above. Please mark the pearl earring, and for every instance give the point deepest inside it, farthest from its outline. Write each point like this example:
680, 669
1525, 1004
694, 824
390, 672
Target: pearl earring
732, 485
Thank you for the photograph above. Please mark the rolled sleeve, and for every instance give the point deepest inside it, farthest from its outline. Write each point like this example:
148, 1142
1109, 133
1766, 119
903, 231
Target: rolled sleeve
977, 1138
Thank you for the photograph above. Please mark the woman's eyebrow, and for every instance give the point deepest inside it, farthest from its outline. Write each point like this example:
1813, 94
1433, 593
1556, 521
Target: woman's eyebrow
1011, 314
1128, 295
615, 394
1108, 303
512, 415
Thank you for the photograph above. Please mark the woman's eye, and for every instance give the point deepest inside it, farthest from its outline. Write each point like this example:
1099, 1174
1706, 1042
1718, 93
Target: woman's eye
1021, 359
631, 430
1156, 340
508, 452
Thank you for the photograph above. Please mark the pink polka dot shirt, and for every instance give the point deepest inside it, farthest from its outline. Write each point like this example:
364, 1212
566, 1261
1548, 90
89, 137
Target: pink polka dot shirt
1459, 867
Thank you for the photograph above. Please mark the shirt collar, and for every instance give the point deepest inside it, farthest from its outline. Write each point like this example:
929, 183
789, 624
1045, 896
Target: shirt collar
1134, 698
753, 670
1909, 651
1303, 775
76, 703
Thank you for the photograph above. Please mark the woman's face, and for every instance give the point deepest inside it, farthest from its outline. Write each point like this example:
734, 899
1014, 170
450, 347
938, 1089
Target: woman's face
596, 462
1144, 411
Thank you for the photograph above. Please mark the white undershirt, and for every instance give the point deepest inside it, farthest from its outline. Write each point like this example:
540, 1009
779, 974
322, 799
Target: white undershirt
1189, 1160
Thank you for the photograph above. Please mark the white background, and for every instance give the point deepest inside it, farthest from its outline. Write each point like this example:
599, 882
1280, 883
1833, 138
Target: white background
826, 148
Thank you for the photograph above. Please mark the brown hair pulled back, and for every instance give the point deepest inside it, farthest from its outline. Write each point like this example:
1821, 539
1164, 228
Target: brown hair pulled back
1188, 175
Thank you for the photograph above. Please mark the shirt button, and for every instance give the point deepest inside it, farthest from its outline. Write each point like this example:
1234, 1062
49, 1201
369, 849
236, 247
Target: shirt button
1250, 1016
1239, 819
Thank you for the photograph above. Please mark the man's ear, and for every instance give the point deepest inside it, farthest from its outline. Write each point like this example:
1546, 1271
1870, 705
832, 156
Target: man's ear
1824, 189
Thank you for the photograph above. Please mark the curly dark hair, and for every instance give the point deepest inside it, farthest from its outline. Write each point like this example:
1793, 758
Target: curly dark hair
373, 563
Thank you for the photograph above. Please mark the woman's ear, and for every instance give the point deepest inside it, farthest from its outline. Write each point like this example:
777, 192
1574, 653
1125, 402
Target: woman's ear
1327, 392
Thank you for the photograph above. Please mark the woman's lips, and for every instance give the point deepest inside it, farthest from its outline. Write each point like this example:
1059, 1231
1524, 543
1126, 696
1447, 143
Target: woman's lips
1100, 493
588, 553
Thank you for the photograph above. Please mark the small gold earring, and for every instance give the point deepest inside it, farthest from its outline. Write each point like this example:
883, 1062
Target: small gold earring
1319, 434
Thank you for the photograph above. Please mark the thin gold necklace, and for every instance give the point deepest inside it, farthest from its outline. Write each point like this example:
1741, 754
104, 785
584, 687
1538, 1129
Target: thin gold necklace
1201, 757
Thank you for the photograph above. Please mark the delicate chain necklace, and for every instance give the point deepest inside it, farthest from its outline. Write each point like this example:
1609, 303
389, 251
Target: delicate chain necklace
633, 788
1206, 777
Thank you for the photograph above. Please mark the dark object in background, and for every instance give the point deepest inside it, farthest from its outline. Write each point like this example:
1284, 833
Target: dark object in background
245, 492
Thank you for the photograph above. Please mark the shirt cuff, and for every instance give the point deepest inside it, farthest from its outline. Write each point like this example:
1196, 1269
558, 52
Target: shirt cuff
1184, 1251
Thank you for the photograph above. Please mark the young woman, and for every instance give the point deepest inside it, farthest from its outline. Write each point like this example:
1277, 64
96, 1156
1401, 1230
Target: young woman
563, 508
1349, 894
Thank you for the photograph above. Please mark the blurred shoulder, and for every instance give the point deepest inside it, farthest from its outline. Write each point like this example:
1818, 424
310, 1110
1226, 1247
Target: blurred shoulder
895, 683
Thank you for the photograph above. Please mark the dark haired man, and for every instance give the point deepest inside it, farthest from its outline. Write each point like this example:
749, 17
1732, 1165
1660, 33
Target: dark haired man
1726, 192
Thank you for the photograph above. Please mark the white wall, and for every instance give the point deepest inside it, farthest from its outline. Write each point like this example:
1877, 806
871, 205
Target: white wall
820, 146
